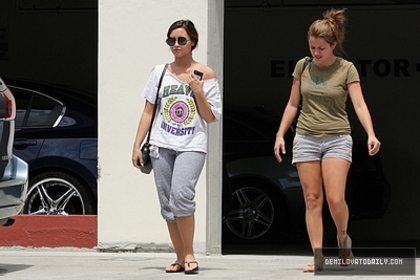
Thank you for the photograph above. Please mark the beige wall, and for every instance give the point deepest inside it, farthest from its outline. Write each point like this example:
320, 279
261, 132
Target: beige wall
132, 40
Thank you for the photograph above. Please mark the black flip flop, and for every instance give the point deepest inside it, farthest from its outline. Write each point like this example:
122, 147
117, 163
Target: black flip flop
181, 269
192, 271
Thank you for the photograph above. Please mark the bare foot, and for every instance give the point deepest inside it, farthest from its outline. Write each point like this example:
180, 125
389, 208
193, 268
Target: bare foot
311, 267
318, 263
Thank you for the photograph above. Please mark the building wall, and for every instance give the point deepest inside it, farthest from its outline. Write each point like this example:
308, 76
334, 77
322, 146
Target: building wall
132, 40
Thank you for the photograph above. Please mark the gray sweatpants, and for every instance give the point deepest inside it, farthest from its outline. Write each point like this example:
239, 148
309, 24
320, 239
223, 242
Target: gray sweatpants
176, 175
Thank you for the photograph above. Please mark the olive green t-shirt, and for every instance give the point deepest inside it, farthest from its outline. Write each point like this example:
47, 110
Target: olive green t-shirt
324, 95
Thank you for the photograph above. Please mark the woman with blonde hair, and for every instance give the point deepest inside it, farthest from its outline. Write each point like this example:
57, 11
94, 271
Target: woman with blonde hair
322, 147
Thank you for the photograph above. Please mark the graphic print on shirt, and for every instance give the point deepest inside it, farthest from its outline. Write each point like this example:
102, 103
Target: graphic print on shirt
317, 85
179, 110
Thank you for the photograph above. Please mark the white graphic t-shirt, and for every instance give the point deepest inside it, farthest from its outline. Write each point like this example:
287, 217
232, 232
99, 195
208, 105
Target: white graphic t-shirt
177, 124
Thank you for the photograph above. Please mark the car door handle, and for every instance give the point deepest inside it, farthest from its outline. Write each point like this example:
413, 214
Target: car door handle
23, 143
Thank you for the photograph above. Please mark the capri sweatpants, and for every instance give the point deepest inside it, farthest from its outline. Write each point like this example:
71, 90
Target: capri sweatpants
176, 175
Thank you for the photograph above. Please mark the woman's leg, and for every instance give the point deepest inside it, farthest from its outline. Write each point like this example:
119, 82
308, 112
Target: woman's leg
334, 172
335, 176
186, 226
310, 177
163, 163
182, 237
187, 169
178, 245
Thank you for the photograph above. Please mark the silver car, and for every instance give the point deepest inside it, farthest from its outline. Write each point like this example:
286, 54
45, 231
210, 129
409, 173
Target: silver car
13, 170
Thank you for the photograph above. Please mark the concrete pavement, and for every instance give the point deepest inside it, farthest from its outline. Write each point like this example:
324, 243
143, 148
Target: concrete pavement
90, 264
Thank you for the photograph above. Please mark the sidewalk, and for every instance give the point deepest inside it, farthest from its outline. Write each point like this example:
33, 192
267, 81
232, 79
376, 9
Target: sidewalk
89, 264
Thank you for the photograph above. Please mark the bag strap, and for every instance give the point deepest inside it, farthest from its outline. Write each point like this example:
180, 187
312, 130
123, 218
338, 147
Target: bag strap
156, 102
305, 64
307, 61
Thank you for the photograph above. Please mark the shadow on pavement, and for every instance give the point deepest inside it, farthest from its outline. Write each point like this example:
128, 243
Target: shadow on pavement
9, 268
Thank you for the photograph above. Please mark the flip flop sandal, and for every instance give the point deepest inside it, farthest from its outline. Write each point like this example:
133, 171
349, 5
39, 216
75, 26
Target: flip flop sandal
180, 268
311, 267
192, 271
345, 253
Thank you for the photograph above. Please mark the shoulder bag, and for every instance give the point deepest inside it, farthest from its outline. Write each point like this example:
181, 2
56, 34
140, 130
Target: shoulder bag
145, 149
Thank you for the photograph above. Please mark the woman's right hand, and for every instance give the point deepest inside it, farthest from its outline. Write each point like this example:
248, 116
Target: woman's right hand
137, 158
279, 148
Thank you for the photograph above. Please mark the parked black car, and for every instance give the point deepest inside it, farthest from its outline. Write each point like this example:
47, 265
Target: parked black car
56, 134
13, 170
263, 198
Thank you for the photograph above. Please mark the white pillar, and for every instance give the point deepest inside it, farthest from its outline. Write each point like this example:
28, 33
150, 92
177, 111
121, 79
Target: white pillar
132, 37
214, 158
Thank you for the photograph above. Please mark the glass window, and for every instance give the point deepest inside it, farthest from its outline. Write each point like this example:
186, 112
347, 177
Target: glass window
22, 103
67, 121
35, 111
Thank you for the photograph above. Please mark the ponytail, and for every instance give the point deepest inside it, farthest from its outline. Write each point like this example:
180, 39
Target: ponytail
331, 28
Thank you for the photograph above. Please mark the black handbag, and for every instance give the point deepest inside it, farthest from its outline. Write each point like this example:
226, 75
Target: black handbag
145, 149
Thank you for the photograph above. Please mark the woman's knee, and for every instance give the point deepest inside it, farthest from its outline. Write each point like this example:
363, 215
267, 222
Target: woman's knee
336, 203
182, 204
313, 201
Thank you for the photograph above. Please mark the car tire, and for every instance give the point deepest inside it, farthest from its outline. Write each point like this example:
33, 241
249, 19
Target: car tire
256, 213
58, 193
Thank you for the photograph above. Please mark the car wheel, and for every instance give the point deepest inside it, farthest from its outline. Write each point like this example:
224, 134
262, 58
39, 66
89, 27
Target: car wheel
58, 193
255, 212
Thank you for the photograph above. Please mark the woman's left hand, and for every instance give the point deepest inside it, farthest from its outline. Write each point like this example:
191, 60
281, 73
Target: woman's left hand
195, 84
373, 146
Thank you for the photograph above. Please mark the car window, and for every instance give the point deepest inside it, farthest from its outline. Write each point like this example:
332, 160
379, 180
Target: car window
67, 121
233, 131
22, 104
35, 111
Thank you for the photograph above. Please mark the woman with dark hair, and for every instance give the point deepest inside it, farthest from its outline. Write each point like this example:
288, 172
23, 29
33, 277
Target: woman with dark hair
322, 148
188, 101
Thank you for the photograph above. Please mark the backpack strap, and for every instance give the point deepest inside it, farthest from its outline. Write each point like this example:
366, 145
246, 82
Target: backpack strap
307, 61
305, 64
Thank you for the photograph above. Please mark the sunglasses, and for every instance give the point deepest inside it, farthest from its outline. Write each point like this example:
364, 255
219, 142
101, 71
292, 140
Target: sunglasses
181, 41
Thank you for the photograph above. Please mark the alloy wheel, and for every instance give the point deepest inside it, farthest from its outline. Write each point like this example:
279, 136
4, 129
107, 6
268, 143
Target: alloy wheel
252, 213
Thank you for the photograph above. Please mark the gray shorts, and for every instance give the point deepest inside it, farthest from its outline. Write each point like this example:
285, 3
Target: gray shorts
310, 148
